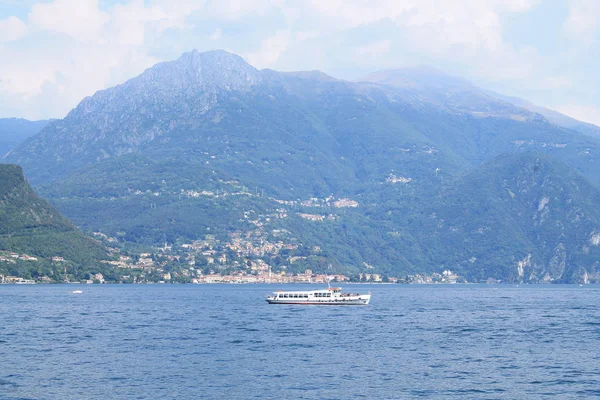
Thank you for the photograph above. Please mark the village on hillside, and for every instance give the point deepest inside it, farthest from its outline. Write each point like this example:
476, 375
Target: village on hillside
259, 254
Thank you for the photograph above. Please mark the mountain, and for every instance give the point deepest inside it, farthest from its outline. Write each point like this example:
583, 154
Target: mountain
459, 95
168, 98
319, 170
216, 103
452, 94
14, 131
553, 116
30, 227
525, 125
526, 207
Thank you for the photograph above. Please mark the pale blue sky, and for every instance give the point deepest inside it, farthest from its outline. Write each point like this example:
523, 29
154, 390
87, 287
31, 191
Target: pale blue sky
55, 52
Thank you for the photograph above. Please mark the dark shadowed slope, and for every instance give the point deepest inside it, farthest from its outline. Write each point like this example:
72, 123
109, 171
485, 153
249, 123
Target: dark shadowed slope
29, 225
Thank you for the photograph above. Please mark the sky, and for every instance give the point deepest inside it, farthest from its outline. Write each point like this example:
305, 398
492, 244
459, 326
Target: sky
53, 53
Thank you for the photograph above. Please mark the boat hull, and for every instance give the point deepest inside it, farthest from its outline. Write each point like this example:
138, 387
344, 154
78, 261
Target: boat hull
324, 297
363, 301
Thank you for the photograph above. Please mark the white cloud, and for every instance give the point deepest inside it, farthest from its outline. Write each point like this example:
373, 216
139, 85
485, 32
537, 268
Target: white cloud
583, 21
82, 47
307, 35
554, 82
216, 35
270, 50
132, 21
81, 19
465, 31
11, 28
23, 77
236, 9
461, 15
517, 5
373, 50
584, 113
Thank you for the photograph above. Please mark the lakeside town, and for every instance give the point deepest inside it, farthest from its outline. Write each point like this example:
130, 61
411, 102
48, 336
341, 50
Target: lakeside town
150, 268
282, 278
260, 253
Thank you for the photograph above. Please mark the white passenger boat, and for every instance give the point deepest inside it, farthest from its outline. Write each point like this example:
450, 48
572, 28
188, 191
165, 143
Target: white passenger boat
329, 296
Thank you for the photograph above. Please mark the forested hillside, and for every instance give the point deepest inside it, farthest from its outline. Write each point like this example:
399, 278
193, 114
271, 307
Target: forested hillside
381, 176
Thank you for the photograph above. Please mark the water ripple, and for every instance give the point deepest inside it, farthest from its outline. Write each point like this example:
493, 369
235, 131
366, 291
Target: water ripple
195, 341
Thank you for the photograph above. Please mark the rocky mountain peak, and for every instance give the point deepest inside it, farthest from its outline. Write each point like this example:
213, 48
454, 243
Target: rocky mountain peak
209, 71
192, 75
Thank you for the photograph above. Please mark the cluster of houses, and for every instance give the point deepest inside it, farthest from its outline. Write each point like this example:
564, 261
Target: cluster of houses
446, 276
329, 202
11, 257
14, 280
281, 277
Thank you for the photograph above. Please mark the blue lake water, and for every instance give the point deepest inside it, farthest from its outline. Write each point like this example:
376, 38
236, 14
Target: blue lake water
226, 342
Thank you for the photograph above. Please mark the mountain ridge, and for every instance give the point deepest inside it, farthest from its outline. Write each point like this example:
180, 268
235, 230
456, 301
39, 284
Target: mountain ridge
14, 131
548, 208
152, 165
463, 96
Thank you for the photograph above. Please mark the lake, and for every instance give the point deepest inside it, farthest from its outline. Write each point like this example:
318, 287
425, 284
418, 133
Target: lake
226, 342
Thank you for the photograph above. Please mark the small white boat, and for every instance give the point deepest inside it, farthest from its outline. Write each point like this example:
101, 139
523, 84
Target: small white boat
77, 291
329, 296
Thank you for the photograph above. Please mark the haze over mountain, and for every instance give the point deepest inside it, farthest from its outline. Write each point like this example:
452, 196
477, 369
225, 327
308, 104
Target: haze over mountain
553, 116
459, 95
14, 131
201, 143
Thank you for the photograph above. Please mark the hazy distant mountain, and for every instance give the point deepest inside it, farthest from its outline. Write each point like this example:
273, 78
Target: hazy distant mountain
553, 116
287, 125
14, 131
203, 143
30, 226
459, 95
452, 94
